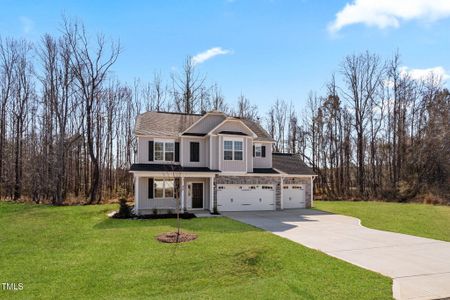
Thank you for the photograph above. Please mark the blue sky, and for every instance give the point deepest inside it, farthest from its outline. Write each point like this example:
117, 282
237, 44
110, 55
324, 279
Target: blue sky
270, 48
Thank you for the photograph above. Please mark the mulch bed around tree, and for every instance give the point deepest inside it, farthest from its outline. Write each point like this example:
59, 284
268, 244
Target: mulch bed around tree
171, 237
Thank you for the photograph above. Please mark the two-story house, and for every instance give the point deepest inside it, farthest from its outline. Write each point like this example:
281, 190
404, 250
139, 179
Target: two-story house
214, 161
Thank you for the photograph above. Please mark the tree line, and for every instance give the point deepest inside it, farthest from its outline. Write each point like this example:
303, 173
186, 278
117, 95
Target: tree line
67, 121
378, 134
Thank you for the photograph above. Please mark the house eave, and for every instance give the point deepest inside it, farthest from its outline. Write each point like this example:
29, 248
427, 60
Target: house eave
173, 174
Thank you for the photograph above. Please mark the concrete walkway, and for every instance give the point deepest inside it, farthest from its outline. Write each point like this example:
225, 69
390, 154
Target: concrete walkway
420, 267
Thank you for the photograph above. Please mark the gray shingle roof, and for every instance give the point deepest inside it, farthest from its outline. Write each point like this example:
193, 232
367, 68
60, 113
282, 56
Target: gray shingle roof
163, 123
169, 168
264, 171
258, 130
172, 124
290, 164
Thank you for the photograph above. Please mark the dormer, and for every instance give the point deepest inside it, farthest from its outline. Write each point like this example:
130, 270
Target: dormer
231, 144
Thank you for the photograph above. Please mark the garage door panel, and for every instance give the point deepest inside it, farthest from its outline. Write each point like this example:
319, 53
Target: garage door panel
245, 197
294, 196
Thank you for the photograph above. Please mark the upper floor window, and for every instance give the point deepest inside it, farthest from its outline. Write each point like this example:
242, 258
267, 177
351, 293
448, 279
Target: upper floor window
164, 151
233, 150
258, 150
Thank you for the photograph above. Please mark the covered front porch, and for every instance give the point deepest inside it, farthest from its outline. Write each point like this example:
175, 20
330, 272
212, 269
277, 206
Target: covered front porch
160, 191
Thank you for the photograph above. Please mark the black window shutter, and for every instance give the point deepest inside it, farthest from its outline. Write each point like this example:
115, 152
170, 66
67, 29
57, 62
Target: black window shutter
263, 151
253, 150
177, 151
150, 188
150, 150
195, 151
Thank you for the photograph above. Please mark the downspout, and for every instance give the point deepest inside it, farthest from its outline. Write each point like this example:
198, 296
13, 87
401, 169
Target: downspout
281, 192
312, 190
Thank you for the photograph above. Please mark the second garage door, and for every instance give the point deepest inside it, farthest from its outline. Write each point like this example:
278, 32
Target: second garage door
239, 197
293, 196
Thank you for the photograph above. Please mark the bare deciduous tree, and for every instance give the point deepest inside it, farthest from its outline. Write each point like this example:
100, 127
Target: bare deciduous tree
187, 88
90, 66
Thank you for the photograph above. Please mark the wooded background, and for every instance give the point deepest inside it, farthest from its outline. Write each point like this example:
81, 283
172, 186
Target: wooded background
66, 127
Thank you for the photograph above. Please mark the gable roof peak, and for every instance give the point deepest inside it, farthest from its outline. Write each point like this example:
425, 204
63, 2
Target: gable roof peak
215, 111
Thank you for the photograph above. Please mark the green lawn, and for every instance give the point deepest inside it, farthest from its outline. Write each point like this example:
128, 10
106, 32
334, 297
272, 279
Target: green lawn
431, 221
77, 252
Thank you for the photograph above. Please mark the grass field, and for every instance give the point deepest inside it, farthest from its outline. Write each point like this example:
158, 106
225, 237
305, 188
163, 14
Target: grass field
77, 252
431, 221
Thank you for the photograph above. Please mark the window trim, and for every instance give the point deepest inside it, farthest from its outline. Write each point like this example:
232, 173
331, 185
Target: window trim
228, 150
164, 187
164, 150
233, 149
256, 150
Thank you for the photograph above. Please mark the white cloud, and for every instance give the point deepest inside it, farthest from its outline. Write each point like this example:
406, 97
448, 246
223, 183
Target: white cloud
208, 54
423, 74
389, 13
27, 24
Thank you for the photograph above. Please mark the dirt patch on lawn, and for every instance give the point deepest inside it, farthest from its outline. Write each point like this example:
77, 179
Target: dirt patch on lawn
173, 237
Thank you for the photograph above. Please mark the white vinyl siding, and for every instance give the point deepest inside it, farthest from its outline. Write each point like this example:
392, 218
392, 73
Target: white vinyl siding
207, 123
185, 155
263, 162
232, 165
233, 125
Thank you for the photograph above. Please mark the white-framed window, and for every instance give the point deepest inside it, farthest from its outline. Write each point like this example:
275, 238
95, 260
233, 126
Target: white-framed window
233, 150
163, 188
238, 150
258, 150
228, 150
164, 150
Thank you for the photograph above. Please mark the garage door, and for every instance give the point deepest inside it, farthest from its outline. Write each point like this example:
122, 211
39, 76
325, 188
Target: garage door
238, 197
293, 196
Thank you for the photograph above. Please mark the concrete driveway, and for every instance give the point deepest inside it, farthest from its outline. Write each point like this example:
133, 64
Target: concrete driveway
420, 267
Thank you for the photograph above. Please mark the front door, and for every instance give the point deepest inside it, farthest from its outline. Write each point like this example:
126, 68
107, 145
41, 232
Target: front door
197, 195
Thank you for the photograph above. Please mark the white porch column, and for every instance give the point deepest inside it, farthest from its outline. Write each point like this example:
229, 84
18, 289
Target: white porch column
182, 193
211, 194
136, 194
